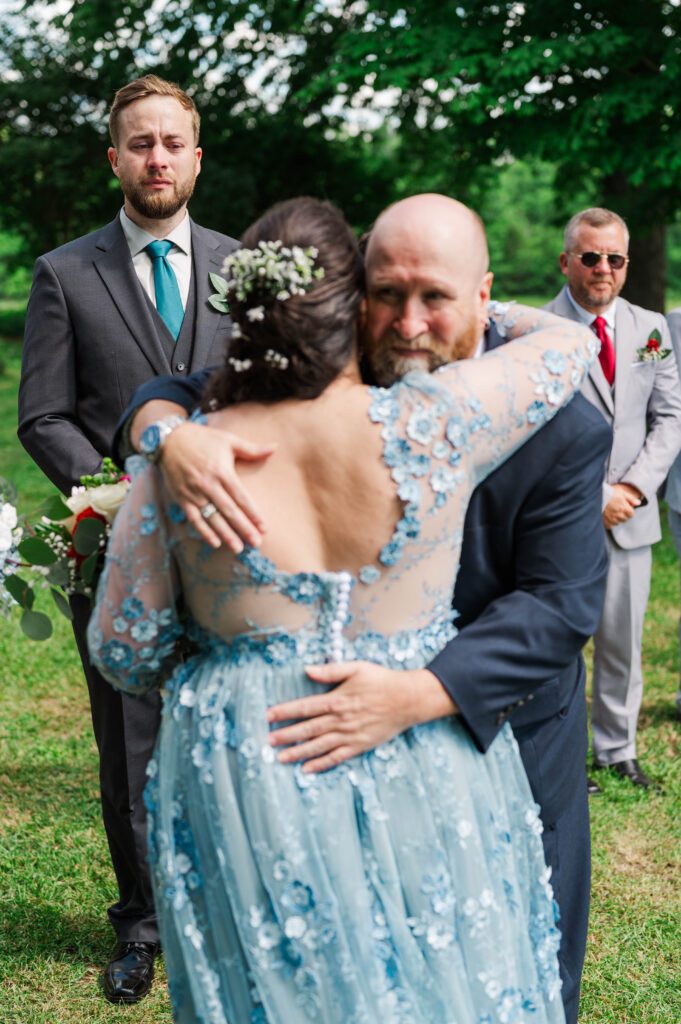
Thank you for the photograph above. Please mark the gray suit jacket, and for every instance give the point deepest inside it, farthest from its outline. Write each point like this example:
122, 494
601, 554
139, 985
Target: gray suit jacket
644, 410
672, 490
91, 340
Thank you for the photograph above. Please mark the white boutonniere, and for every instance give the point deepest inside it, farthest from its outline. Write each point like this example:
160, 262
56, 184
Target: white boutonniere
652, 351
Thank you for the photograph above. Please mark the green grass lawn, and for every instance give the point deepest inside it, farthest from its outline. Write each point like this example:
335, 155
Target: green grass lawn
54, 866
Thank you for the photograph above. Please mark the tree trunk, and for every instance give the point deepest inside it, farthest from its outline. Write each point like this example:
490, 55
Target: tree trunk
647, 275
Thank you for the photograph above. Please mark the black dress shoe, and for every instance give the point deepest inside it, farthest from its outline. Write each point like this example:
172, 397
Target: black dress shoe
128, 976
592, 787
632, 770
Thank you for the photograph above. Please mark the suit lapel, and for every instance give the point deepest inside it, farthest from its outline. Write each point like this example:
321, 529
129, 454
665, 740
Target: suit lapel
208, 259
116, 270
563, 307
625, 351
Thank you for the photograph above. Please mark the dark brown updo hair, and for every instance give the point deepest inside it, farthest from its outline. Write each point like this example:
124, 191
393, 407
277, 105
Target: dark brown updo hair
314, 331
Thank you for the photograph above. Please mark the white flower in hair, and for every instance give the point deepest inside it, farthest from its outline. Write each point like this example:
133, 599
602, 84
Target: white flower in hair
271, 270
256, 313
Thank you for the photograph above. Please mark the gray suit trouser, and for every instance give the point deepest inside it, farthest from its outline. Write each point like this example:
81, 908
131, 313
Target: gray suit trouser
675, 527
617, 687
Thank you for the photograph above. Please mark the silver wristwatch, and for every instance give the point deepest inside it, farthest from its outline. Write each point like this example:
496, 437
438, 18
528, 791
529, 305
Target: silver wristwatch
156, 434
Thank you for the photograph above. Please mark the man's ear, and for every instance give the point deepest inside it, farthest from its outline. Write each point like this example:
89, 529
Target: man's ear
112, 154
486, 287
563, 260
484, 295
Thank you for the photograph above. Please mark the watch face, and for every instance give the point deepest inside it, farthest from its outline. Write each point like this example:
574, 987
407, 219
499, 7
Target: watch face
150, 439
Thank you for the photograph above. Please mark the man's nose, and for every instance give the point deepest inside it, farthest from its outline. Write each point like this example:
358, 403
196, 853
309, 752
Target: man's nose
602, 262
411, 321
157, 156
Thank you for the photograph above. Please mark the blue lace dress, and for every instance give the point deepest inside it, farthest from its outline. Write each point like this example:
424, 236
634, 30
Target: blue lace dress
406, 885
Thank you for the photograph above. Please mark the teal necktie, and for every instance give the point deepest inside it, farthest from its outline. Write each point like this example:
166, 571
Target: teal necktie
168, 301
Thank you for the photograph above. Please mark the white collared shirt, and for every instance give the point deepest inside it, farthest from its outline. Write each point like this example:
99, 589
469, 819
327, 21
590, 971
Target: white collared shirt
179, 257
588, 318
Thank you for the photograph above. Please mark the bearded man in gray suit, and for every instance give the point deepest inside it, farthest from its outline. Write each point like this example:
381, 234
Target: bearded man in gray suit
635, 385
106, 313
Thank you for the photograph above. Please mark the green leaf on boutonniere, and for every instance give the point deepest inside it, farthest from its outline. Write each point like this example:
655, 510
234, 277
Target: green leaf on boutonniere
219, 299
217, 303
219, 284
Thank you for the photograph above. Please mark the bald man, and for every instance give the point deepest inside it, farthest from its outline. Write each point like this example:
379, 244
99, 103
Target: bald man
533, 565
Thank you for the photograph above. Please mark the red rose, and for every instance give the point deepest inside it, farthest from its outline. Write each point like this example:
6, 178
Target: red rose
653, 345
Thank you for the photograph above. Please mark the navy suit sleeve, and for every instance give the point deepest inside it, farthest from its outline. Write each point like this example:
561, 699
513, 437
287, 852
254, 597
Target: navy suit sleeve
526, 636
184, 391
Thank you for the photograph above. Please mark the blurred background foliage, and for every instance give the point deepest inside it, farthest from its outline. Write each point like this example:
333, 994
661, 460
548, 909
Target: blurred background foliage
527, 111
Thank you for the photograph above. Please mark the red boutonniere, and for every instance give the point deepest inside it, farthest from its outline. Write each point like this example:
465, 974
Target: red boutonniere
652, 351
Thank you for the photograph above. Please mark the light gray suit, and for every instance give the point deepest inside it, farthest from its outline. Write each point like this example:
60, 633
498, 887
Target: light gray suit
92, 337
672, 491
644, 410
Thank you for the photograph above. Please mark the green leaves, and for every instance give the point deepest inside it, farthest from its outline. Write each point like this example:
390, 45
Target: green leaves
37, 551
62, 604
55, 508
88, 535
21, 591
36, 625
219, 300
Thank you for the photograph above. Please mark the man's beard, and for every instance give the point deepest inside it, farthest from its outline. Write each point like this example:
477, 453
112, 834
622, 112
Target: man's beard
596, 299
158, 205
388, 366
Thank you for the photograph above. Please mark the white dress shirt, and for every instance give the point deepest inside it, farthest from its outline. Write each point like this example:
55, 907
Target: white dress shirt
179, 257
588, 318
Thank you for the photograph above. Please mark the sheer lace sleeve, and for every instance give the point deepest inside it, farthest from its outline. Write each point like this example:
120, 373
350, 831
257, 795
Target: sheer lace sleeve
506, 395
134, 625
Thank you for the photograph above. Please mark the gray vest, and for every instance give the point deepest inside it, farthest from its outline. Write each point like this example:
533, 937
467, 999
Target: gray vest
179, 353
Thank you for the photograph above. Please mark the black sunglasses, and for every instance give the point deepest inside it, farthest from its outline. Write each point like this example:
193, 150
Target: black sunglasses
616, 260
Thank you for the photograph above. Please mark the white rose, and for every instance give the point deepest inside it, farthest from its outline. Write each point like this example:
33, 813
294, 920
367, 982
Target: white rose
78, 501
105, 499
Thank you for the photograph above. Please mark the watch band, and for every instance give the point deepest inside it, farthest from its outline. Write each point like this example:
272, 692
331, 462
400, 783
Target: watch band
156, 434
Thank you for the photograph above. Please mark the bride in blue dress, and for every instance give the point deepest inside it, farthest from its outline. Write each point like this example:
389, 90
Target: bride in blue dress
408, 884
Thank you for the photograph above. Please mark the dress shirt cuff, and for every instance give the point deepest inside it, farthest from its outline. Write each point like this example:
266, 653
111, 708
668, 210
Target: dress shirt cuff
607, 494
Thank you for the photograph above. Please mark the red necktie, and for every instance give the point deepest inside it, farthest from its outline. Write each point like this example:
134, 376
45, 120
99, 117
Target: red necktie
606, 356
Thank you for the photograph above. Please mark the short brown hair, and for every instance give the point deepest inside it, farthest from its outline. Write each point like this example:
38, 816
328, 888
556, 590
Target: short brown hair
150, 85
595, 217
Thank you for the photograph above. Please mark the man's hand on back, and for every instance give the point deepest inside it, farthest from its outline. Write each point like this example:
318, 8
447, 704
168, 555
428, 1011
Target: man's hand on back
368, 706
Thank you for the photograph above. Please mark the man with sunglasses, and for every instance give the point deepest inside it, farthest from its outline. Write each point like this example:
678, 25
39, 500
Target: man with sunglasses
635, 385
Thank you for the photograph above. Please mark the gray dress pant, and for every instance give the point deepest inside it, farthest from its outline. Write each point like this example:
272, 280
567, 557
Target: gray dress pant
675, 527
617, 687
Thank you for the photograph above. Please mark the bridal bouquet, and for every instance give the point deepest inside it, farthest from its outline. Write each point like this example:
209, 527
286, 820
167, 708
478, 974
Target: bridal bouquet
63, 552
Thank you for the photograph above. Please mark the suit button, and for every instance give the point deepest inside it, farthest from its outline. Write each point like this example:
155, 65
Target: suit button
180, 367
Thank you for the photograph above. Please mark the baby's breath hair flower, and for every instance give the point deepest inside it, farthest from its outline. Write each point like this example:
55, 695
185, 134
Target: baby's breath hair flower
271, 270
276, 359
240, 365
